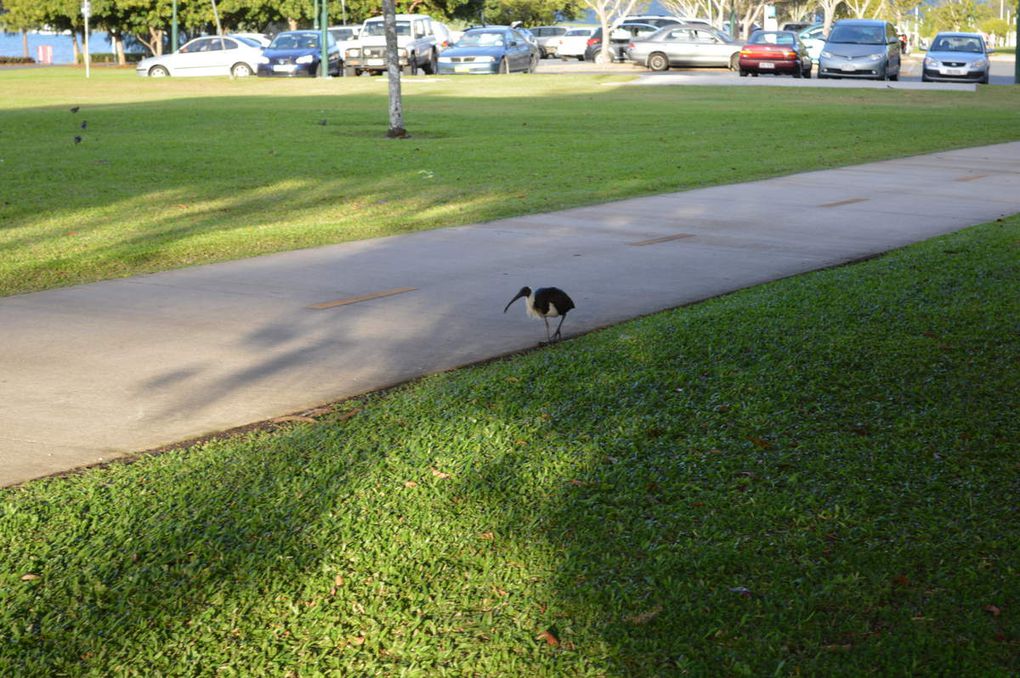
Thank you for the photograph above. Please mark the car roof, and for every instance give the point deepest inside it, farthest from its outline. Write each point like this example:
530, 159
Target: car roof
861, 22
959, 34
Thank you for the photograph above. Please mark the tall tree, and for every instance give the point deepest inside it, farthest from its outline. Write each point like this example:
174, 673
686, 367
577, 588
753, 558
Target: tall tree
607, 11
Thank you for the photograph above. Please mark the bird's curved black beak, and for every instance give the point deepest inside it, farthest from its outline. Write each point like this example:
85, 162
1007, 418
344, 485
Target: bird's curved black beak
519, 295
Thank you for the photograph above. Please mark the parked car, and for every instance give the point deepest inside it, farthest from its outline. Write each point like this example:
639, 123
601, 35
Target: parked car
861, 48
492, 49
416, 46
620, 37
660, 20
548, 39
262, 39
814, 38
683, 46
956, 57
444, 36
209, 55
775, 52
344, 36
297, 53
796, 26
574, 42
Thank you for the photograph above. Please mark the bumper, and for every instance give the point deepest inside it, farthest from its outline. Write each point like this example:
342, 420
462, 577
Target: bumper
371, 64
935, 75
832, 68
768, 65
287, 71
469, 69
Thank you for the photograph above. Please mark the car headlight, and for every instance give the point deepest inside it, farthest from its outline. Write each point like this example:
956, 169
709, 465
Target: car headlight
263, 60
932, 63
353, 53
979, 64
306, 59
445, 60
875, 57
827, 54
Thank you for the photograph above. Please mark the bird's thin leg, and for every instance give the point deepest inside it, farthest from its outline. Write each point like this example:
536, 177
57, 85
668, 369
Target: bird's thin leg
547, 338
558, 335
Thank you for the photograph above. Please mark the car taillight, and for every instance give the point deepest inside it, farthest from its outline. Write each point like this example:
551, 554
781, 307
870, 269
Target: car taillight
593, 41
789, 54
630, 45
745, 52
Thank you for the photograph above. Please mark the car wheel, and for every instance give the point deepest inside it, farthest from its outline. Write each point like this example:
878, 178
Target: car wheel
798, 72
240, 70
743, 73
504, 67
925, 78
159, 72
984, 80
658, 62
533, 65
895, 77
580, 58
735, 61
350, 72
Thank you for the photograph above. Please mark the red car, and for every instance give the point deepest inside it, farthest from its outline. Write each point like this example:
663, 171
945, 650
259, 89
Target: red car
775, 52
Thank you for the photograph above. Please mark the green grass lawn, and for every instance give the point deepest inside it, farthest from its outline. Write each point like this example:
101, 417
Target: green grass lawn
817, 476
178, 172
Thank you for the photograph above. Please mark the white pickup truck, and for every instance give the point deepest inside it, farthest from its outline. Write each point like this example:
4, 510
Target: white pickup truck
416, 46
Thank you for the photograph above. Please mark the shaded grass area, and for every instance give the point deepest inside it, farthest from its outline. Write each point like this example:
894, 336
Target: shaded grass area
817, 476
179, 172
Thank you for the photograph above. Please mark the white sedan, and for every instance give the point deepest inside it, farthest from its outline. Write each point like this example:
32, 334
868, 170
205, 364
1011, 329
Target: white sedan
210, 55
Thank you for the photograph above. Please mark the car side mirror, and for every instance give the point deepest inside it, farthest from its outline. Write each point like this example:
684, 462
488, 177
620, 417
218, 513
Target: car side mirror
513, 43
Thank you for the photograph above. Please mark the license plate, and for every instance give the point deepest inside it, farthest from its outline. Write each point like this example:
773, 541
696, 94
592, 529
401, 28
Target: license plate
849, 67
766, 65
461, 69
377, 62
283, 69
954, 71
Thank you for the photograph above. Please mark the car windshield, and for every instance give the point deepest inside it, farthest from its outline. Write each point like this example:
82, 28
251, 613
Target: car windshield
295, 41
342, 33
957, 43
481, 39
578, 31
770, 38
858, 35
377, 28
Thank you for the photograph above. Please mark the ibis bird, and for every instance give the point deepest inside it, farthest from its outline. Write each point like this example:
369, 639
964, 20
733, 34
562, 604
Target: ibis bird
545, 303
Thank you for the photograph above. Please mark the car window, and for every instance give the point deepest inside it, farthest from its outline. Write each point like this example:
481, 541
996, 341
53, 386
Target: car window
956, 44
377, 28
769, 38
247, 42
680, 35
482, 39
858, 35
579, 31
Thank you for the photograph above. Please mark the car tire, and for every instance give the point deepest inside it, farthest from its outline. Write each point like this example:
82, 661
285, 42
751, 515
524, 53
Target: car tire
925, 78
984, 80
504, 67
533, 65
159, 72
658, 61
743, 73
580, 58
735, 62
896, 77
798, 72
350, 72
241, 70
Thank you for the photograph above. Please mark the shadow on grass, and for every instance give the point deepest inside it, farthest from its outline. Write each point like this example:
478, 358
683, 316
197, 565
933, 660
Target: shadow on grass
158, 185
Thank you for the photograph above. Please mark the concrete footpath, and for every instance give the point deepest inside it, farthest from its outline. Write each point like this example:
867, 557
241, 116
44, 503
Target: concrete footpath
94, 372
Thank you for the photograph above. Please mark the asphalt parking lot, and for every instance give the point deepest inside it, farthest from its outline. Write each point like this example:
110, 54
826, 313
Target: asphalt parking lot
1002, 74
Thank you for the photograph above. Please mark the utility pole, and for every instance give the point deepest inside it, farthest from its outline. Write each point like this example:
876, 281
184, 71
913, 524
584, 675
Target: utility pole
86, 12
1016, 39
396, 130
323, 36
173, 30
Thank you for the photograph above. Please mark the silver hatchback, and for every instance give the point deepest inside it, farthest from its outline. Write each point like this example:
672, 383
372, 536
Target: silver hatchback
861, 48
956, 57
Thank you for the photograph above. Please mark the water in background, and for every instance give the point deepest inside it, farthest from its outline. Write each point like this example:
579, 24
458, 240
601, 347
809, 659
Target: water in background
63, 52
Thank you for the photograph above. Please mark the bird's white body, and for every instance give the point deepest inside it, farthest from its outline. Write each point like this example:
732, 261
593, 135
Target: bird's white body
533, 312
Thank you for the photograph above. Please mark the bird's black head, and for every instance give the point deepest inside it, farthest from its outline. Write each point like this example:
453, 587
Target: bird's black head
524, 292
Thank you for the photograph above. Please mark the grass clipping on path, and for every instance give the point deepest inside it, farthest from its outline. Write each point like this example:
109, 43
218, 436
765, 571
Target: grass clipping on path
817, 476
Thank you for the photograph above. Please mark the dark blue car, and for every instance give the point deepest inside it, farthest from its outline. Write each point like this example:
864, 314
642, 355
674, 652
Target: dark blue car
492, 49
298, 53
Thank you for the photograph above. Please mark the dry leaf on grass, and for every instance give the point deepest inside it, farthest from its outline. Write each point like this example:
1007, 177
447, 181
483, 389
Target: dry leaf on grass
549, 637
439, 474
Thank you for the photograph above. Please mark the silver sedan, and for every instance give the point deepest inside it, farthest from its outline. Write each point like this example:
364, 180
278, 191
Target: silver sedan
956, 57
679, 46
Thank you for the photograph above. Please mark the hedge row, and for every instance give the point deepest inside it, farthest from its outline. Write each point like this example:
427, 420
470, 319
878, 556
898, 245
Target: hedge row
15, 60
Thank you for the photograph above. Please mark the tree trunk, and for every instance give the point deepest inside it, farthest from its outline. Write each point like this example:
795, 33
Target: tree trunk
292, 23
396, 130
75, 49
118, 47
24, 43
